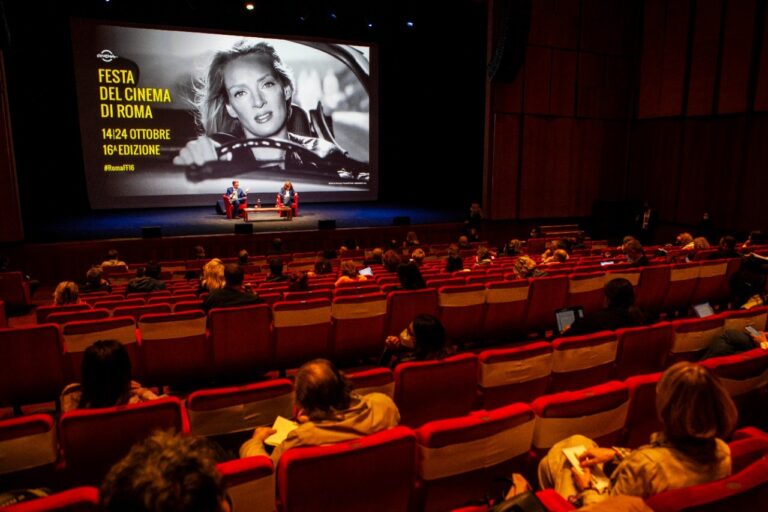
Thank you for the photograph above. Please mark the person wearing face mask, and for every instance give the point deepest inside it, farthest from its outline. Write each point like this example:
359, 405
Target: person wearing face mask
247, 94
423, 340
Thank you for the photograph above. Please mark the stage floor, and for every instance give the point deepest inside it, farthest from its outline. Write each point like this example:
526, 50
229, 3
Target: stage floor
187, 221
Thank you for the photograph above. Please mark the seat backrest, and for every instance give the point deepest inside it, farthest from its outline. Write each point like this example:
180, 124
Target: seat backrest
357, 290
78, 336
340, 477
358, 325
174, 348
78, 499
510, 375
14, 290
642, 349
111, 305
462, 311
683, 279
745, 376
308, 295
432, 390
375, 380
404, 305
241, 339
137, 312
250, 483
301, 331
586, 290
642, 420
711, 279
92, 440
631, 275
29, 451
174, 299
653, 286
32, 365
93, 298
599, 412
42, 312
583, 361
64, 317
740, 318
188, 305
692, 337
745, 490
465, 459
506, 305
239, 408
547, 294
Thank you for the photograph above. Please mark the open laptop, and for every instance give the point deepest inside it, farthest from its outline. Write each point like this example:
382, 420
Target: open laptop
703, 310
566, 316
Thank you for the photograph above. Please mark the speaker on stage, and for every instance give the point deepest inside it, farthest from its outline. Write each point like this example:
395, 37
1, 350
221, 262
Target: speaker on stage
244, 228
326, 224
401, 220
151, 232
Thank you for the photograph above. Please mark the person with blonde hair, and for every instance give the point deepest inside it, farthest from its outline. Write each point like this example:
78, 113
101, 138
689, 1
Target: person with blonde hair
696, 413
213, 276
418, 255
67, 292
349, 273
525, 267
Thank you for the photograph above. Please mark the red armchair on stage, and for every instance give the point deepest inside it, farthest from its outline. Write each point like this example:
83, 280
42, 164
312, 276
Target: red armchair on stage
228, 206
294, 206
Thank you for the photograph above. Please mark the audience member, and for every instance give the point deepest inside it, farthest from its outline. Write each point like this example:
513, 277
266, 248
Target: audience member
417, 256
213, 276
298, 282
66, 292
512, 248
558, 256
635, 253
242, 257
166, 472
619, 312
732, 342
473, 235
579, 241
277, 247
423, 340
410, 277
696, 413
233, 293
454, 261
684, 241
484, 256
198, 252
464, 243
705, 228
275, 270
725, 249
474, 217
349, 273
106, 375
755, 238
95, 281
149, 281
699, 244
535, 232
323, 267
748, 284
113, 259
327, 412
349, 244
525, 268
411, 241
391, 261
376, 258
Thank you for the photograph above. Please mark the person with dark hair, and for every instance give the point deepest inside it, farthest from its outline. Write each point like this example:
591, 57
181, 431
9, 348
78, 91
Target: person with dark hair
635, 253
423, 340
236, 197
410, 277
620, 311
113, 259
376, 258
198, 252
483, 256
277, 247
95, 281
513, 248
327, 412
275, 271
298, 282
696, 413
725, 249
323, 266
166, 471
242, 257
454, 261
232, 294
106, 375
391, 260
149, 281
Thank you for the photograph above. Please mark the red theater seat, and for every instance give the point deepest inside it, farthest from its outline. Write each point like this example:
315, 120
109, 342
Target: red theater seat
78, 336
642, 420
404, 305
137, 312
241, 340
518, 374
42, 312
64, 317
79, 499
583, 361
506, 306
301, 331
642, 349
250, 483
692, 336
586, 290
358, 325
375, 380
29, 451
462, 311
547, 294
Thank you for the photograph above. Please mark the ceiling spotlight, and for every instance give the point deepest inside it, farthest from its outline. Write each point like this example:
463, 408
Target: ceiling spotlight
409, 24
249, 6
333, 15
370, 25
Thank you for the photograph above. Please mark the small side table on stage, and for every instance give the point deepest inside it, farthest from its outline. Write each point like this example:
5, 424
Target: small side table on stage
287, 209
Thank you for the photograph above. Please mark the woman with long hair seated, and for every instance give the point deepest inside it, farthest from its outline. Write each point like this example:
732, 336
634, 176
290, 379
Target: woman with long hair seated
67, 292
106, 375
696, 413
423, 340
410, 276
213, 276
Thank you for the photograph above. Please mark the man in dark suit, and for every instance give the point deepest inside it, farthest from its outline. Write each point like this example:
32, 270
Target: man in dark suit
232, 294
645, 224
236, 196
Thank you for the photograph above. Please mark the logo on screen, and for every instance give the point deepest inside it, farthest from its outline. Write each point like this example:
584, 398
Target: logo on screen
106, 55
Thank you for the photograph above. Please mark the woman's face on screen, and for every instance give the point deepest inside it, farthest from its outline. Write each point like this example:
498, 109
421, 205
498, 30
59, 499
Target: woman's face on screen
256, 97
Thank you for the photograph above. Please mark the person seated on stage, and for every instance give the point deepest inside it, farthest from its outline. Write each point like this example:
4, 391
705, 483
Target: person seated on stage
620, 311
246, 94
113, 259
106, 380
166, 471
287, 194
242, 257
232, 294
410, 277
213, 276
391, 261
275, 271
376, 258
147, 279
95, 281
423, 340
526, 268
328, 412
696, 413
66, 292
236, 197
635, 253
349, 273
417, 256
298, 282
454, 262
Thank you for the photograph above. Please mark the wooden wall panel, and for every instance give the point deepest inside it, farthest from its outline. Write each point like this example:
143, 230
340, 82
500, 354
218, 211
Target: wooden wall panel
673, 58
706, 43
538, 75
554, 23
563, 86
737, 54
508, 97
505, 168
749, 202
761, 92
599, 156
11, 227
654, 15
609, 27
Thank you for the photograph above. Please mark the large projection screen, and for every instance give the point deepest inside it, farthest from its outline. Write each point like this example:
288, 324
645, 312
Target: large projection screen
171, 117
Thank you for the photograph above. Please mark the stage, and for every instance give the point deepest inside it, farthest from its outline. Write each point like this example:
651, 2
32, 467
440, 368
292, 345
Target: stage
196, 221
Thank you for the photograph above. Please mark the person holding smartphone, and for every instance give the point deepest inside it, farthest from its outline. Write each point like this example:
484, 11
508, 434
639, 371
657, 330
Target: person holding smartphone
733, 341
